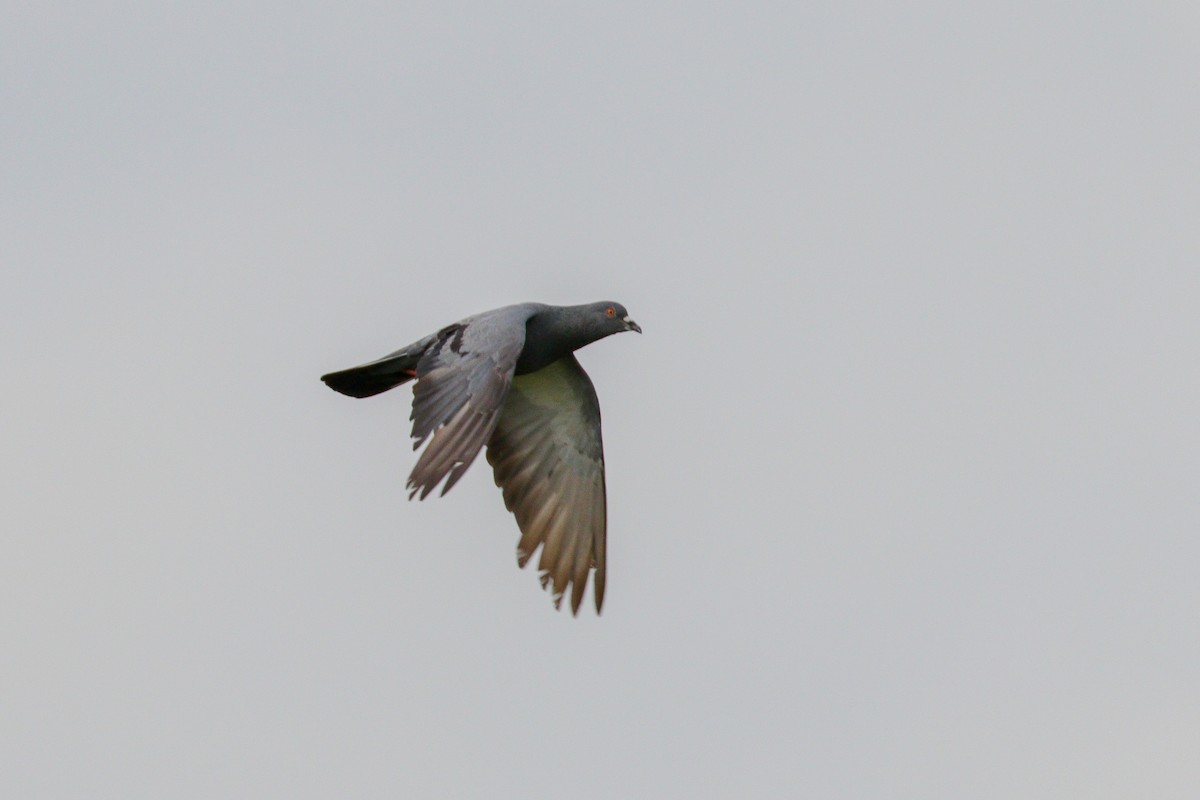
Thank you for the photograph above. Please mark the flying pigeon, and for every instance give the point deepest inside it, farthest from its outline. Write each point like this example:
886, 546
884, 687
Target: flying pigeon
508, 378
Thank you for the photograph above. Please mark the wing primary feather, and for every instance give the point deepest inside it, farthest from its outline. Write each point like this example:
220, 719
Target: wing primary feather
548, 459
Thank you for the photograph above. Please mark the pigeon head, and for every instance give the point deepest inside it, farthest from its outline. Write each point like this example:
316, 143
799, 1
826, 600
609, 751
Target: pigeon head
556, 331
610, 317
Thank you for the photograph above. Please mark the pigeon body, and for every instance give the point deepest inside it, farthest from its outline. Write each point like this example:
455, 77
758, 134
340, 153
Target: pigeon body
508, 379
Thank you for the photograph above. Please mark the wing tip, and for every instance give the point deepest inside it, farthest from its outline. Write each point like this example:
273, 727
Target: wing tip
598, 589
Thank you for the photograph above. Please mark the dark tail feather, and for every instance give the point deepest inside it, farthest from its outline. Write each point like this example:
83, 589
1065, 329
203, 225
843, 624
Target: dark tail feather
378, 376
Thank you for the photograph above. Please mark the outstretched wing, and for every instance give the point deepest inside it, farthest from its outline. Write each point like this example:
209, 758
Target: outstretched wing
462, 380
549, 459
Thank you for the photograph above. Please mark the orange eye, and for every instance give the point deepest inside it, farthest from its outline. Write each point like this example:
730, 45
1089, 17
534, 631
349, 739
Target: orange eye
612, 312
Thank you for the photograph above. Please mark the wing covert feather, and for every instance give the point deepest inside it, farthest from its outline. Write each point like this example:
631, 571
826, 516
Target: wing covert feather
462, 381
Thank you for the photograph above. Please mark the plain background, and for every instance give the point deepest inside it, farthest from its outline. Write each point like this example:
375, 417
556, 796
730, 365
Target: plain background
902, 475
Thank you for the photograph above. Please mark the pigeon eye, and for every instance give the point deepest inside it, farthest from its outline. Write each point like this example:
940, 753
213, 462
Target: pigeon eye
610, 311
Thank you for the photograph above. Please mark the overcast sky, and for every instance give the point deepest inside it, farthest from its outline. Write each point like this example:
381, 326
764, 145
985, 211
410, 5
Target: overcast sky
902, 476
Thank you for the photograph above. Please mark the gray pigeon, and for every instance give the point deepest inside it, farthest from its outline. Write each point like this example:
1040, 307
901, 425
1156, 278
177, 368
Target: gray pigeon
508, 379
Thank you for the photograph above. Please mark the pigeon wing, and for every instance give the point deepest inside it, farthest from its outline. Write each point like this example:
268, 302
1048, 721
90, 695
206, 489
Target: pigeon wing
463, 378
548, 458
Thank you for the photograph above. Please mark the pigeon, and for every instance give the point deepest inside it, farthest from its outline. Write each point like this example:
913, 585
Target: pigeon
508, 378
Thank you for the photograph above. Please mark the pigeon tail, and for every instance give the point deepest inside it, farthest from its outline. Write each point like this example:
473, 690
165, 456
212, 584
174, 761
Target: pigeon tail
378, 376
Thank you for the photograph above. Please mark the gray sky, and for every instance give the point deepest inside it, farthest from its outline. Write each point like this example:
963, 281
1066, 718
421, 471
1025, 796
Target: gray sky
902, 475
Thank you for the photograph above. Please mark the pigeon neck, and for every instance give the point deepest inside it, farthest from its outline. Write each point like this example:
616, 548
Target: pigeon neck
554, 333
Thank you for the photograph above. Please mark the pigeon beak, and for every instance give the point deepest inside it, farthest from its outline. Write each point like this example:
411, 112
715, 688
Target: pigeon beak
630, 325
